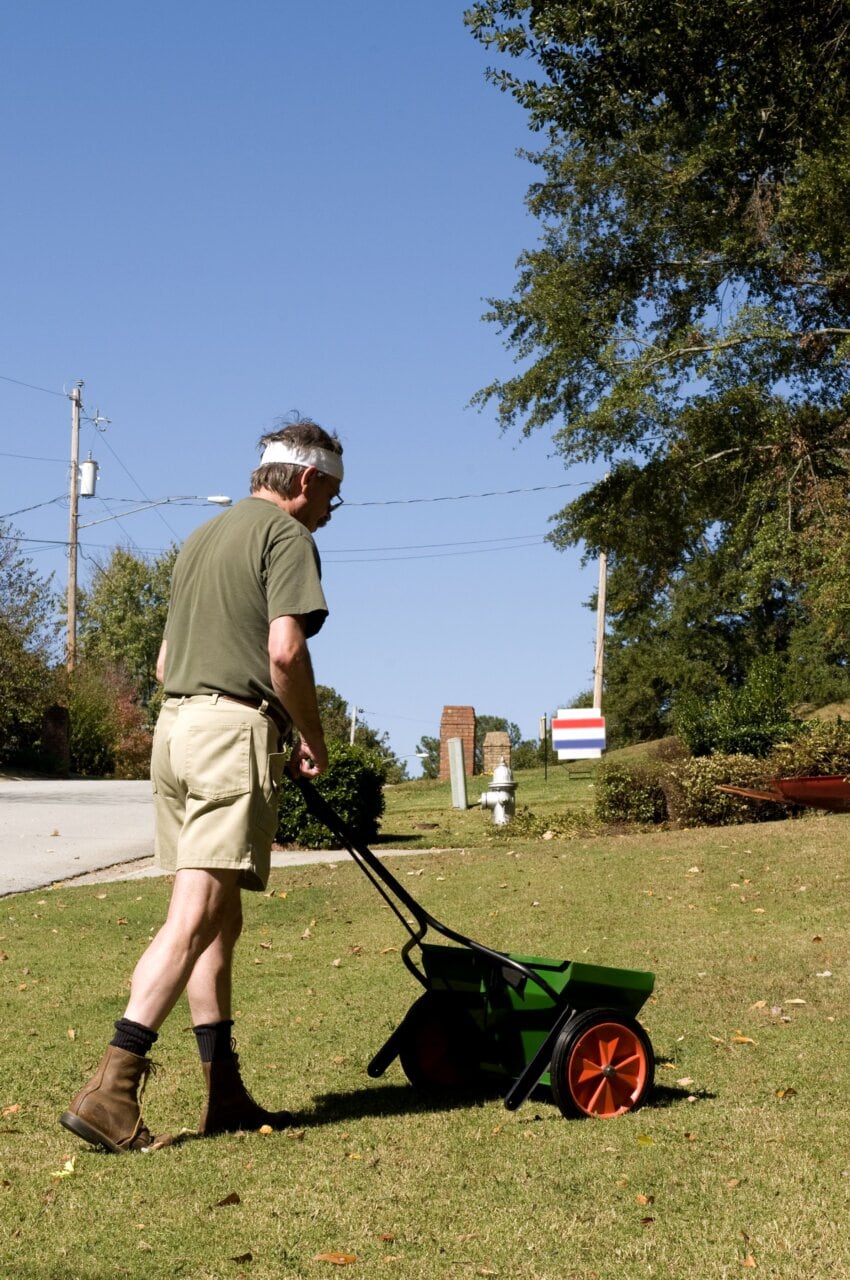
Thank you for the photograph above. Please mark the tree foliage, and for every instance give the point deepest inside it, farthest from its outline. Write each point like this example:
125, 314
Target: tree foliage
28, 631
109, 736
685, 320
428, 749
121, 616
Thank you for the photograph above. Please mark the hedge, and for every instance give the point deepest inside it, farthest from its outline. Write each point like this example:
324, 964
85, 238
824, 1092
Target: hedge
353, 785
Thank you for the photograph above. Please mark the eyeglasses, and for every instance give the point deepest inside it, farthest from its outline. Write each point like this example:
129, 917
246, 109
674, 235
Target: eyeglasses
335, 504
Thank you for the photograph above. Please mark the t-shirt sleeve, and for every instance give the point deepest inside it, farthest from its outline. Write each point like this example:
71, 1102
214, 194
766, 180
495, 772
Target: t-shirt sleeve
294, 583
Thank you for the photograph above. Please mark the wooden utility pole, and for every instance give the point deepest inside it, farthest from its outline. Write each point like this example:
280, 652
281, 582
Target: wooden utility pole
76, 398
600, 630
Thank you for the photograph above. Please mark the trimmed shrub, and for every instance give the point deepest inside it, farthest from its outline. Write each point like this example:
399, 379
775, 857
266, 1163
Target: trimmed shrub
629, 791
353, 785
820, 747
690, 788
748, 720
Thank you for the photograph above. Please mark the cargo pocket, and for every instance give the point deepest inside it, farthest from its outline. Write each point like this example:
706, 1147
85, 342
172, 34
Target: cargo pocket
218, 761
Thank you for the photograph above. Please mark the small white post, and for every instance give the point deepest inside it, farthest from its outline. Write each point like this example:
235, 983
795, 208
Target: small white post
457, 773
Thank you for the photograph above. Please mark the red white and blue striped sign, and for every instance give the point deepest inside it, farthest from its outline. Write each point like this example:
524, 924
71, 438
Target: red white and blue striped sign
578, 733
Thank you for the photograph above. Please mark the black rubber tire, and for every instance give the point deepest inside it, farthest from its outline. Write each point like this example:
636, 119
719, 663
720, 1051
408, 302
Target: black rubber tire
441, 1046
632, 1076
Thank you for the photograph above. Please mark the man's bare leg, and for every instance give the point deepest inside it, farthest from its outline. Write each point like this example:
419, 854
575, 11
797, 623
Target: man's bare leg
200, 918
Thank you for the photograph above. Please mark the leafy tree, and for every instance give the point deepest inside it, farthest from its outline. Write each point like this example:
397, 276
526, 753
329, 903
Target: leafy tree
109, 734
336, 722
121, 616
748, 720
429, 749
685, 320
527, 754
28, 631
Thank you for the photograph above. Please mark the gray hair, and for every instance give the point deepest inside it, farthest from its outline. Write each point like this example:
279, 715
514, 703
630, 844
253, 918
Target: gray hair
280, 477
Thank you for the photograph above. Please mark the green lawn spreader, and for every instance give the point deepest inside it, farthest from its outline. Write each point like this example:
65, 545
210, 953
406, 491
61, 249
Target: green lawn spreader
525, 1020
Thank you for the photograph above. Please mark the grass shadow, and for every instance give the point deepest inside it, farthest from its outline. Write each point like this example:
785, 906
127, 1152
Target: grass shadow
392, 1100
664, 1096
387, 838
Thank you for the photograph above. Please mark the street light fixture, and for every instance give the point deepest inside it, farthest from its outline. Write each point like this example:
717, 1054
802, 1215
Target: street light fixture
218, 498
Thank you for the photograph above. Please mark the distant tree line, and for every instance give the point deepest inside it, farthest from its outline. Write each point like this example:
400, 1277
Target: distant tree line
113, 697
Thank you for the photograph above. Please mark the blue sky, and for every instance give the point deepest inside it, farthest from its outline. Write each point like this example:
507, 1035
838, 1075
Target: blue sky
215, 213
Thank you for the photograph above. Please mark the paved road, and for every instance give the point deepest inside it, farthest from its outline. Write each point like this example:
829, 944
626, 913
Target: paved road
54, 830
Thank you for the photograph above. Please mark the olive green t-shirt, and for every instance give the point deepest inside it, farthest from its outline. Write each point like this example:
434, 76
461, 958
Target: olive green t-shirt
233, 576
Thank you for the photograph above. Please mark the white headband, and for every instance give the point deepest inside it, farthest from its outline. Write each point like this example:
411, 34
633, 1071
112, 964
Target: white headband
324, 460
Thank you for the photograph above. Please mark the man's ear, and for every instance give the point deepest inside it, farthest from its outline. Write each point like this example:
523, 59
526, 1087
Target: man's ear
308, 475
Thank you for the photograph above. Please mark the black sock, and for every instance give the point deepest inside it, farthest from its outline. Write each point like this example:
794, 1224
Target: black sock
214, 1040
134, 1037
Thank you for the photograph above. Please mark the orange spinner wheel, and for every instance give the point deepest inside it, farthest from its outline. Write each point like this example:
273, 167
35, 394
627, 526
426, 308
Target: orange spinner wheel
603, 1065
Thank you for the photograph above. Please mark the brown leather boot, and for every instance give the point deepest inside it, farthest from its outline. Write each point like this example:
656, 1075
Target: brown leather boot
229, 1105
107, 1112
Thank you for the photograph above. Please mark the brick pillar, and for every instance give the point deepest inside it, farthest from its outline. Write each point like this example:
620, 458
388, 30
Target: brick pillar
497, 746
457, 722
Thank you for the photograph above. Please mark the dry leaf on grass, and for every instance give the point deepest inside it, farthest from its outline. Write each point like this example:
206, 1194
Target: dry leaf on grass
338, 1259
243, 1257
233, 1198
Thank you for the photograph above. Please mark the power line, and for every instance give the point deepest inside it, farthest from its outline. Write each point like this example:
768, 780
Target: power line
461, 497
128, 473
49, 503
440, 555
428, 546
48, 391
28, 457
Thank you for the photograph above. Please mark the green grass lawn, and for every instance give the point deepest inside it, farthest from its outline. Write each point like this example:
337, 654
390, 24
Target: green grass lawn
740, 1162
420, 814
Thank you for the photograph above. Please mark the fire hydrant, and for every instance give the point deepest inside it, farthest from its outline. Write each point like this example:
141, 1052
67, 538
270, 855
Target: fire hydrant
500, 798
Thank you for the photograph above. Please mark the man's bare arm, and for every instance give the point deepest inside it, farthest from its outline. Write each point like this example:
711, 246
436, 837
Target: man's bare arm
293, 682
160, 664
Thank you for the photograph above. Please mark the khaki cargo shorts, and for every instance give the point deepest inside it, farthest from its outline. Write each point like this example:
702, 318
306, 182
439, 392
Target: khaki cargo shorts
216, 768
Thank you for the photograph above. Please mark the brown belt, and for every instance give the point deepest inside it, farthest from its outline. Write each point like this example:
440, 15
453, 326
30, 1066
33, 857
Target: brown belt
264, 708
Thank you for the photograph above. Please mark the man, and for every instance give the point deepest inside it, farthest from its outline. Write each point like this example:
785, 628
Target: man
246, 596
